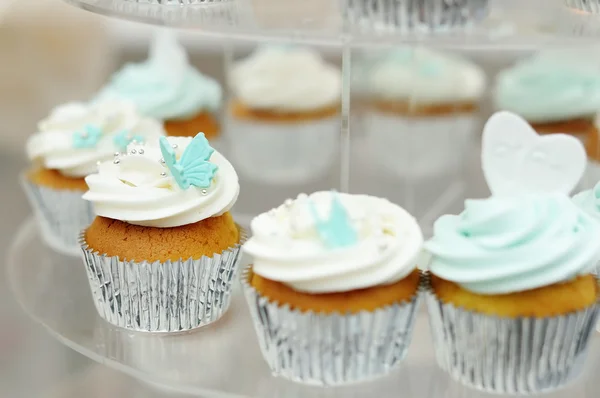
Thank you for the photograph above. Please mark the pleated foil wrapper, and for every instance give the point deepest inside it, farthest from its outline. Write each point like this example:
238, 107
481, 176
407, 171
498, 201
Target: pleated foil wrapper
591, 6
330, 349
510, 356
171, 296
60, 214
414, 16
288, 153
420, 147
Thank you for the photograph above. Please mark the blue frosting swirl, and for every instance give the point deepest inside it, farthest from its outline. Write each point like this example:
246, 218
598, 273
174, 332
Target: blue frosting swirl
505, 245
547, 89
159, 94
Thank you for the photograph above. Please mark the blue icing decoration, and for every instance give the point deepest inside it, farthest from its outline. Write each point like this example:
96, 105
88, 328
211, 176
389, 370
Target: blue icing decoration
124, 138
157, 94
505, 245
549, 90
337, 231
193, 169
88, 138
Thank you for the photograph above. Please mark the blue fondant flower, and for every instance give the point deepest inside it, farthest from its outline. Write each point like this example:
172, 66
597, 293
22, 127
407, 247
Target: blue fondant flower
124, 138
193, 168
337, 231
88, 138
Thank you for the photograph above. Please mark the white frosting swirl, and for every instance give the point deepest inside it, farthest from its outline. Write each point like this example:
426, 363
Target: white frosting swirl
287, 248
426, 77
54, 145
286, 79
140, 190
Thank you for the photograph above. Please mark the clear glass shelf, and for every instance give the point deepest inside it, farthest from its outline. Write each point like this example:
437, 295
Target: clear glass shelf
221, 360
505, 24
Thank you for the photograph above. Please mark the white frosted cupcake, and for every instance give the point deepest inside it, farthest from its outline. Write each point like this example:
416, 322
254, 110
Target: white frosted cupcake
162, 252
337, 275
283, 118
67, 148
422, 112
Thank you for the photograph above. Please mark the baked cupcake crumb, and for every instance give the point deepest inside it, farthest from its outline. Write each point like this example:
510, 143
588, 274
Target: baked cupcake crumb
547, 301
353, 301
50, 178
203, 122
134, 242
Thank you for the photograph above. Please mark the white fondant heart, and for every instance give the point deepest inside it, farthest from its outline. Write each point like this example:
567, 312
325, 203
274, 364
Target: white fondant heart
516, 160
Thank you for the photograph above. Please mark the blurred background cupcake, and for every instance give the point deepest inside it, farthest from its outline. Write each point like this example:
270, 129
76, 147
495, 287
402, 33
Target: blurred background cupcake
66, 148
556, 92
283, 118
166, 87
422, 110
337, 275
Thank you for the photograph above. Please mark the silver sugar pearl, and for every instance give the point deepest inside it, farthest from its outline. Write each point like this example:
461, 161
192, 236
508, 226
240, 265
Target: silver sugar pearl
174, 146
204, 192
141, 151
117, 161
163, 174
162, 161
117, 154
133, 151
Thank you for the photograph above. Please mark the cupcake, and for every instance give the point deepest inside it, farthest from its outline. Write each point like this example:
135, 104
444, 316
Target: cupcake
284, 115
166, 87
554, 94
512, 299
333, 286
163, 251
66, 148
422, 110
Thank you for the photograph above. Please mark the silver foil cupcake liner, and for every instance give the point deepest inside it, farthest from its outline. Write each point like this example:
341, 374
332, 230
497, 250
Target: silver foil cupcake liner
591, 6
60, 214
420, 147
283, 153
414, 16
330, 349
509, 356
171, 296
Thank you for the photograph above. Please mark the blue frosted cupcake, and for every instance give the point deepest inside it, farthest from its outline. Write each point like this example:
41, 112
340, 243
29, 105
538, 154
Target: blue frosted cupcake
166, 87
511, 289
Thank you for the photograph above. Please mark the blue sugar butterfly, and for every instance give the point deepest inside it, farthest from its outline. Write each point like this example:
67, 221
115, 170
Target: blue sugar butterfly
337, 231
193, 168
88, 138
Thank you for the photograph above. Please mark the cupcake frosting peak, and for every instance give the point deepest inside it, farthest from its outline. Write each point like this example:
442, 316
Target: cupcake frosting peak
328, 242
286, 79
165, 86
76, 136
166, 183
502, 245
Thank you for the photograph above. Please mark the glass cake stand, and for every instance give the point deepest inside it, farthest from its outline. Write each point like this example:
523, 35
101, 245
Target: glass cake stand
222, 360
